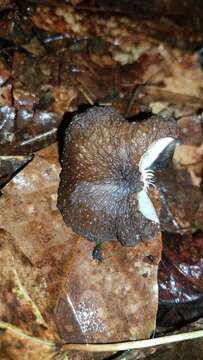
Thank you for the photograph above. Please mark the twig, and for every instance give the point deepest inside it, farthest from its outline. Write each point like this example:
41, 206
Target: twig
38, 137
138, 89
86, 96
16, 157
138, 344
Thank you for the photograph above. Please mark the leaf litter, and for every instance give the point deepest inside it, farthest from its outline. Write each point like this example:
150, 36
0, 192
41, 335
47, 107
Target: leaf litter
51, 289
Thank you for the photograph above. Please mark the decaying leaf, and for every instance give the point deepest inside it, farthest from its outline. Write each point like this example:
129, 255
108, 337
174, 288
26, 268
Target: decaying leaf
9, 165
177, 213
49, 275
180, 280
54, 57
111, 301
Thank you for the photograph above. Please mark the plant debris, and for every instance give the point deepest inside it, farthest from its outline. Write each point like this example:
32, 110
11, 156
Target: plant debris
42, 262
58, 58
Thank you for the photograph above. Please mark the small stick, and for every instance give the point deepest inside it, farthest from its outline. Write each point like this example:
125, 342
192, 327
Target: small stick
38, 137
86, 96
138, 344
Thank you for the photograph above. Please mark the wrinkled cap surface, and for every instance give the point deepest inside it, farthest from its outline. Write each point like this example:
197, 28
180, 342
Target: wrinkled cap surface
101, 179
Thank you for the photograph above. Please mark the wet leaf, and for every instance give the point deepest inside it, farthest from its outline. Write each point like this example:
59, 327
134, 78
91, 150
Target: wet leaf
37, 230
48, 273
177, 213
180, 280
9, 165
7, 117
25, 131
55, 58
111, 301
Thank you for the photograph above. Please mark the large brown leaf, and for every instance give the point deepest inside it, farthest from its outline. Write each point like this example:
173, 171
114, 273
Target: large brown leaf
47, 271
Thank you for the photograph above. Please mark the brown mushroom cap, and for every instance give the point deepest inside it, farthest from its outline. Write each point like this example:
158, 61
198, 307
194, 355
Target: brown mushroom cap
100, 174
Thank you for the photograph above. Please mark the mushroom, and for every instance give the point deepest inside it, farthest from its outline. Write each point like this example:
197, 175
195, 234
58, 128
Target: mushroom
108, 167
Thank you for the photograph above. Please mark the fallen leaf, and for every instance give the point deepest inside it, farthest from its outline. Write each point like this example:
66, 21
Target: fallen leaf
9, 165
48, 274
111, 301
190, 157
180, 280
31, 218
